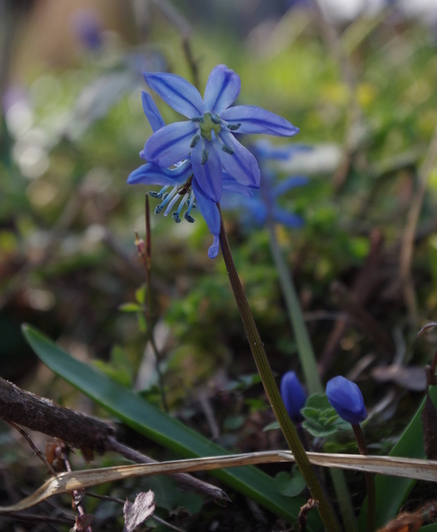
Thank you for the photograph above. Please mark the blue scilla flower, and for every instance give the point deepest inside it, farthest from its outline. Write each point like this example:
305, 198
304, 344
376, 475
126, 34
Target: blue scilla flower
264, 205
180, 184
208, 136
347, 400
293, 395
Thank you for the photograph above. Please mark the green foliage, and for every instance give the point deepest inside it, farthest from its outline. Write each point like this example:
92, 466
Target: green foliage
321, 420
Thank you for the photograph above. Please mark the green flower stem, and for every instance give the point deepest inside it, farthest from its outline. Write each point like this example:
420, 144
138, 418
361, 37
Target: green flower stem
370, 480
288, 429
309, 367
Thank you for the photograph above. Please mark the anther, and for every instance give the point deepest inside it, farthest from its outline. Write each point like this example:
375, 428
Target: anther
195, 141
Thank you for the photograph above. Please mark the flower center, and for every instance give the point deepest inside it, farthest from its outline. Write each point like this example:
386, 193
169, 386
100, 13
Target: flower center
208, 123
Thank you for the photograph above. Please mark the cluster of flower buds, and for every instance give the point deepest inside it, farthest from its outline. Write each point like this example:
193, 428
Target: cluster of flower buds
343, 395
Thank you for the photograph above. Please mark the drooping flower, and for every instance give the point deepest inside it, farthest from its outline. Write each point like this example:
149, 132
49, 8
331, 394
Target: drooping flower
293, 395
347, 400
185, 187
264, 205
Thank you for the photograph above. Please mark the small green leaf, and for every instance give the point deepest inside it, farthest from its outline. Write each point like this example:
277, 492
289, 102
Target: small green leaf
318, 401
321, 420
310, 413
318, 431
140, 294
130, 307
290, 485
142, 324
271, 426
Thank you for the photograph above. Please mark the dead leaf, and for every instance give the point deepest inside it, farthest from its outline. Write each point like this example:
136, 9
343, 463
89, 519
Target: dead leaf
411, 378
426, 327
412, 522
136, 513
412, 468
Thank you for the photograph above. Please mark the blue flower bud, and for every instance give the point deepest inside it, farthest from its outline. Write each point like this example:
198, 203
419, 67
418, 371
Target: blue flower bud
293, 395
347, 400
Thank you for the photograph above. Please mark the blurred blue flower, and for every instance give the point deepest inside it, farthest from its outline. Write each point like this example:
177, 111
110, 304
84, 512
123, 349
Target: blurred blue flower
186, 188
264, 205
87, 25
293, 395
347, 400
208, 136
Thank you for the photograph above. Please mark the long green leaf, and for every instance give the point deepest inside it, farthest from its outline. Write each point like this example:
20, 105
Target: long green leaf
391, 492
163, 429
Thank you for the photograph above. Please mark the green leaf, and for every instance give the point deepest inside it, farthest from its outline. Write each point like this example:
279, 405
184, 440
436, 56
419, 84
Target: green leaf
391, 492
163, 429
321, 420
318, 401
290, 485
142, 324
130, 307
317, 430
140, 294
271, 426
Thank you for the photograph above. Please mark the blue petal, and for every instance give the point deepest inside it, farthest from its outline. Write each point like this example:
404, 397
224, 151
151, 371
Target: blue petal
207, 173
288, 184
208, 209
232, 185
150, 174
252, 119
152, 112
222, 89
213, 251
170, 144
177, 92
287, 218
241, 164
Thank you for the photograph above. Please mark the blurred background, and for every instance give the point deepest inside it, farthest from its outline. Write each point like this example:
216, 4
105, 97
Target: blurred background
358, 79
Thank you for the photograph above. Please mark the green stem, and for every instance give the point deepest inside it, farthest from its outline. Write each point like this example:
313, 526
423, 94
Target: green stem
309, 367
370, 480
288, 429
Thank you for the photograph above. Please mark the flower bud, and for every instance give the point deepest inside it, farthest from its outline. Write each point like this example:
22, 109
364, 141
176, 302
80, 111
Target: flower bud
347, 400
293, 395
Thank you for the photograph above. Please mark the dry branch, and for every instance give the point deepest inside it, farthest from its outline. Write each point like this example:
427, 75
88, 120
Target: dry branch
43, 415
